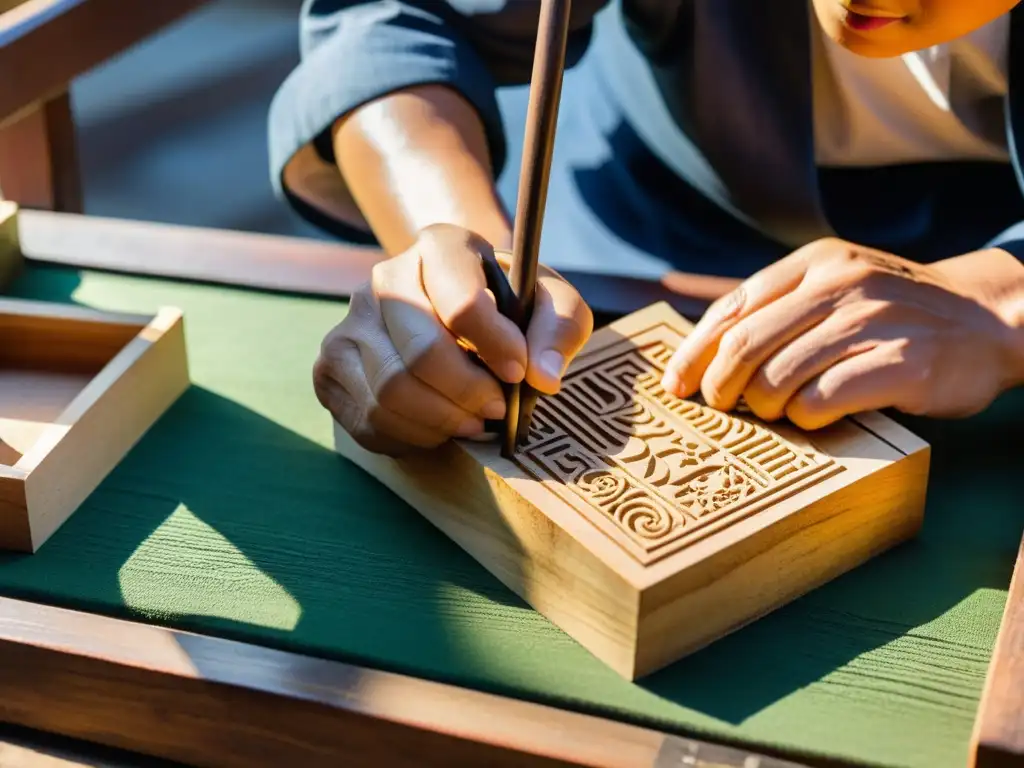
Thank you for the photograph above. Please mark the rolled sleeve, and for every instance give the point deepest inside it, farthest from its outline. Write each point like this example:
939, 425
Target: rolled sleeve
1011, 241
354, 51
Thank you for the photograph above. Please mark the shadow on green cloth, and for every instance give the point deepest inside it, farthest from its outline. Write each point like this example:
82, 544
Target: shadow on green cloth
299, 530
280, 517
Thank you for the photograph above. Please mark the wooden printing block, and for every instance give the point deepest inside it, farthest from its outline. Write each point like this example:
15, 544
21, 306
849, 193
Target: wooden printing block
647, 526
78, 388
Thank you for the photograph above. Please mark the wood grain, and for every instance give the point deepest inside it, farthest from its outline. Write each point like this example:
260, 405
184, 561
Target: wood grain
998, 739
209, 701
628, 511
79, 389
39, 157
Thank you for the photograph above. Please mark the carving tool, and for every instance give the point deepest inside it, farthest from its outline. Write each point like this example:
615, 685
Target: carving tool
535, 170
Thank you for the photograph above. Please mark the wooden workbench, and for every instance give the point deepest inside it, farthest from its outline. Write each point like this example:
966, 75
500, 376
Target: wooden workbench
234, 594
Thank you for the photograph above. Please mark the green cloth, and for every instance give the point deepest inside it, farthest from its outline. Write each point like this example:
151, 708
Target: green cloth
234, 517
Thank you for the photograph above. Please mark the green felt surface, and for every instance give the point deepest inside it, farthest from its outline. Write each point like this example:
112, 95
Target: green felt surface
234, 517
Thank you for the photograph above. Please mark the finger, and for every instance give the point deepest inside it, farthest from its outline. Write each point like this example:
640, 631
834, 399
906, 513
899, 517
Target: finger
750, 342
686, 368
453, 280
399, 392
344, 392
428, 351
560, 326
878, 378
836, 338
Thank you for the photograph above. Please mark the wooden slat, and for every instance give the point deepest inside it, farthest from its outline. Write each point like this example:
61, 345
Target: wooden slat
998, 740
292, 265
209, 701
45, 44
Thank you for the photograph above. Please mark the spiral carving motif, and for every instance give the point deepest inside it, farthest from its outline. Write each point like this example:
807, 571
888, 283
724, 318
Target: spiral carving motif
643, 517
602, 486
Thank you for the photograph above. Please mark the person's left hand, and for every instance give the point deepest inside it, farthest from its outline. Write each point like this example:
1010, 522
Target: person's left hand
835, 329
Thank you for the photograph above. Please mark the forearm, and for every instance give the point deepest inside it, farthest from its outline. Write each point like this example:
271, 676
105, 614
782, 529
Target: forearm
995, 278
419, 157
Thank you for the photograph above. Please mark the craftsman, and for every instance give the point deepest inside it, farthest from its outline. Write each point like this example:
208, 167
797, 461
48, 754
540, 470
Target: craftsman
852, 165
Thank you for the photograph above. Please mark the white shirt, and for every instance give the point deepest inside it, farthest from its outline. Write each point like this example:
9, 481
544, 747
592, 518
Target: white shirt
942, 103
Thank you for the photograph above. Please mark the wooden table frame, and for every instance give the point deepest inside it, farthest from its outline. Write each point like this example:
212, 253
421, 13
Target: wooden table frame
44, 46
211, 701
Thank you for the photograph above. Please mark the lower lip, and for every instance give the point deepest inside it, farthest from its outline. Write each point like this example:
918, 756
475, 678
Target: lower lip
867, 23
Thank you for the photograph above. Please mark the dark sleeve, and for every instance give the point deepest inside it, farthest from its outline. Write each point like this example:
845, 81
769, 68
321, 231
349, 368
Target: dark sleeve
353, 51
1013, 247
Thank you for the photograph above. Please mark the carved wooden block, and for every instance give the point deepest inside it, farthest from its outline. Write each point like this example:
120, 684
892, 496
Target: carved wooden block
647, 526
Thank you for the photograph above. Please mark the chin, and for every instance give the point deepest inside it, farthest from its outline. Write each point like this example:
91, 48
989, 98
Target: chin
862, 46
873, 50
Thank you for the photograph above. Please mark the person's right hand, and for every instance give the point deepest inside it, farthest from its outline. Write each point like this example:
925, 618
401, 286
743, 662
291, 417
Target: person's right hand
395, 373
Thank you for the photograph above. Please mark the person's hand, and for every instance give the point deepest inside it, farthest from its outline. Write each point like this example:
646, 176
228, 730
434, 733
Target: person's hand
395, 374
835, 329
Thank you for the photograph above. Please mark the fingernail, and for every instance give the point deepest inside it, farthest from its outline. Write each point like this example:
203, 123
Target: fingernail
670, 382
469, 427
494, 410
512, 372
552, 363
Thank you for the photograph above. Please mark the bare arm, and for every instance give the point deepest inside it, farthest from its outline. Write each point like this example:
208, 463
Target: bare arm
418, 157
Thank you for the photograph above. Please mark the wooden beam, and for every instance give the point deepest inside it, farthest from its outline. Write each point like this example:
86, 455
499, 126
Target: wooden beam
294, 265
998, 740
39, 157
208, 701
46, 44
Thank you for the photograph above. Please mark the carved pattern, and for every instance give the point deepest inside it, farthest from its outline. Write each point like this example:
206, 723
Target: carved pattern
655, 472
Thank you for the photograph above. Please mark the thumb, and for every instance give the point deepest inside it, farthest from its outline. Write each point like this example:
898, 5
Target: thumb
560, 326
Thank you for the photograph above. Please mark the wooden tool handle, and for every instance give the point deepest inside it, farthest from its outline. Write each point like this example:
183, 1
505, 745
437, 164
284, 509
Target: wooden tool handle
538, 146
